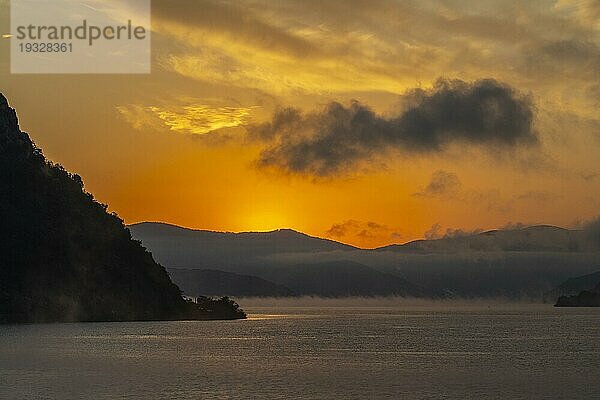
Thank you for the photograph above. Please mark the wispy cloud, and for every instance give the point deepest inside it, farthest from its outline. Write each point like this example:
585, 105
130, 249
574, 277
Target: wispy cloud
443, 184
367, 233
436, 232
347, 46
198, 119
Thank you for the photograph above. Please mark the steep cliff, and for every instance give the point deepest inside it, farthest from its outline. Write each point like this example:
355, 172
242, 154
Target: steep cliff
63, 257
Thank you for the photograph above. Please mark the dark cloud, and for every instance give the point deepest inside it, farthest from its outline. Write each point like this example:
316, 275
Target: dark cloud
338, 230
485, 112
359, 228
442, 184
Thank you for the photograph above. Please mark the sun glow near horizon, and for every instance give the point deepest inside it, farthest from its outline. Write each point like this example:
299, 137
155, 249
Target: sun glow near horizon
261, 116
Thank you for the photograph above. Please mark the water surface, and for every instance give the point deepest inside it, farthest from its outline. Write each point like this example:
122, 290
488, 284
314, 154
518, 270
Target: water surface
315, 351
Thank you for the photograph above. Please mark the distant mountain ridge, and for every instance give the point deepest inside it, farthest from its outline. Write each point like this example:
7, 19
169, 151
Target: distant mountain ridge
519, 263
573, 286
586, 298
208, 282
340, 279
180, 247
333, 279
303, 240
532, 238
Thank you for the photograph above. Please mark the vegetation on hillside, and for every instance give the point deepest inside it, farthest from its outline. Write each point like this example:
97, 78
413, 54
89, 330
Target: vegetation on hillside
65, 258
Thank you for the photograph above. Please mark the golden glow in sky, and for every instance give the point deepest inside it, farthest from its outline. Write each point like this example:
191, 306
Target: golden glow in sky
195, 119
341, 119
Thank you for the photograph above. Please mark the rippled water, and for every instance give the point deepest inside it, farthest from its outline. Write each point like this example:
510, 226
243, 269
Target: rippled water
398, 351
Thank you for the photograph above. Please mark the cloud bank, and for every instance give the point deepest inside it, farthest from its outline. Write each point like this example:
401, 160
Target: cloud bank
485, 113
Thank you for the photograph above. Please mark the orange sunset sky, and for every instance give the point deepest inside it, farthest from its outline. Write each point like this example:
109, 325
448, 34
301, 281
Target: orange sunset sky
367, 122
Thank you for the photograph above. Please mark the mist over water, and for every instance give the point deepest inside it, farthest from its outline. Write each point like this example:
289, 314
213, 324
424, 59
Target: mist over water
315, 349
393, 302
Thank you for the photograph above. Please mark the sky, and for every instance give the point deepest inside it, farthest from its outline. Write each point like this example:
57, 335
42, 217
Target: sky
368, 122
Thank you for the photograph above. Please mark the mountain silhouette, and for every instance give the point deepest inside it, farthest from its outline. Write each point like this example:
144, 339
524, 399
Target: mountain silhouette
65, 258
587, 298
195, 282
250, 254
181, 247
517, 263
573, 286
340, 279
532, 238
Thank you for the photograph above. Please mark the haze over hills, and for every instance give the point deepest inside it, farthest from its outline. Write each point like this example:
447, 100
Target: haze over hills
182, 246
208, 282
328, 279
339, 279
525, 262
532, 238
65, 258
